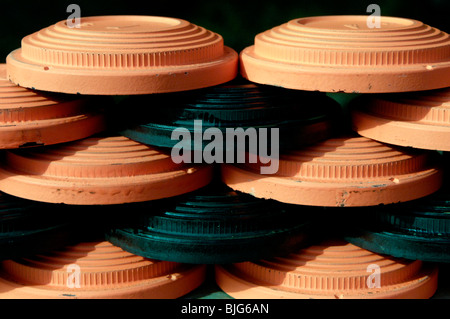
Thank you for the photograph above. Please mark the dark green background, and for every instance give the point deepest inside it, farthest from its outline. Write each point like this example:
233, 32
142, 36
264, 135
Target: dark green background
238, 21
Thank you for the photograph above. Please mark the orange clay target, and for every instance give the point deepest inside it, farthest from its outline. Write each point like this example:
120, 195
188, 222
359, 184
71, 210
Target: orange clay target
31, 118
122, 55
419, 119
98, 171
345, 54
347, 171
96, 270
331, 270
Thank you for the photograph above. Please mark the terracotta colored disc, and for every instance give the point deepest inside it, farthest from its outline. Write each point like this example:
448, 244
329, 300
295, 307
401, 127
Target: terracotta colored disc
98, 170
420, 119
302, 118
347, 171
30, 118
96, 270
122, 55
343, 54
331, 270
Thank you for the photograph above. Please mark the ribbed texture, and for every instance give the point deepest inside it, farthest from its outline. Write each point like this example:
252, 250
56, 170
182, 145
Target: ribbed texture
94, 157
101, 265
330, 267
347, 41
223, 213
100, 170
239, 105
419, 226
349, 158
430, 107
18, 104
127, 42
426, 217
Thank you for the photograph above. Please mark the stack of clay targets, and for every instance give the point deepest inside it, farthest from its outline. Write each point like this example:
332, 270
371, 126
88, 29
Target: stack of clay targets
342, 54
32, 118
99, 170
181, 72
420, 229
167, 218
112, 55
370, 172
419, 120
218, 226
29, 120
105, 56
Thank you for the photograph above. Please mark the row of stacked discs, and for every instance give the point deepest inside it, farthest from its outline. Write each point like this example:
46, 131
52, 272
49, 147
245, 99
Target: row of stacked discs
100, 200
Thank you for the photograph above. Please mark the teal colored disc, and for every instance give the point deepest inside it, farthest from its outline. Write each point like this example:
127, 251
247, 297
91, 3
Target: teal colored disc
404, 246
418, 230
302, 117
214, 225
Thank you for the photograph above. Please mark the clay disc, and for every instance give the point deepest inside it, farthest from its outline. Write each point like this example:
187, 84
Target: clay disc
346, 171
122, 55
330, 270
32, 118
343, 54
213, 225
98, 171
96, 270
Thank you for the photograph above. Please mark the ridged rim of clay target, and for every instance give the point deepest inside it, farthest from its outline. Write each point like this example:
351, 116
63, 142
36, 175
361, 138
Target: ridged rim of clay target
343, 171
213, 226
98, 170
329, 270
419, 119
344, 54
122, 55
96, 270
32, 118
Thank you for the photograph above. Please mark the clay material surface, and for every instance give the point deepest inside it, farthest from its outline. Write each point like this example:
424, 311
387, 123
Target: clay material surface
419, 119
347, 171
96, 171
331, 270
31, 118
342, 54
96, 270
122, 55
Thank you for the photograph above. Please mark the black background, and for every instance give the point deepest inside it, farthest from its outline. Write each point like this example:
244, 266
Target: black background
238, 21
